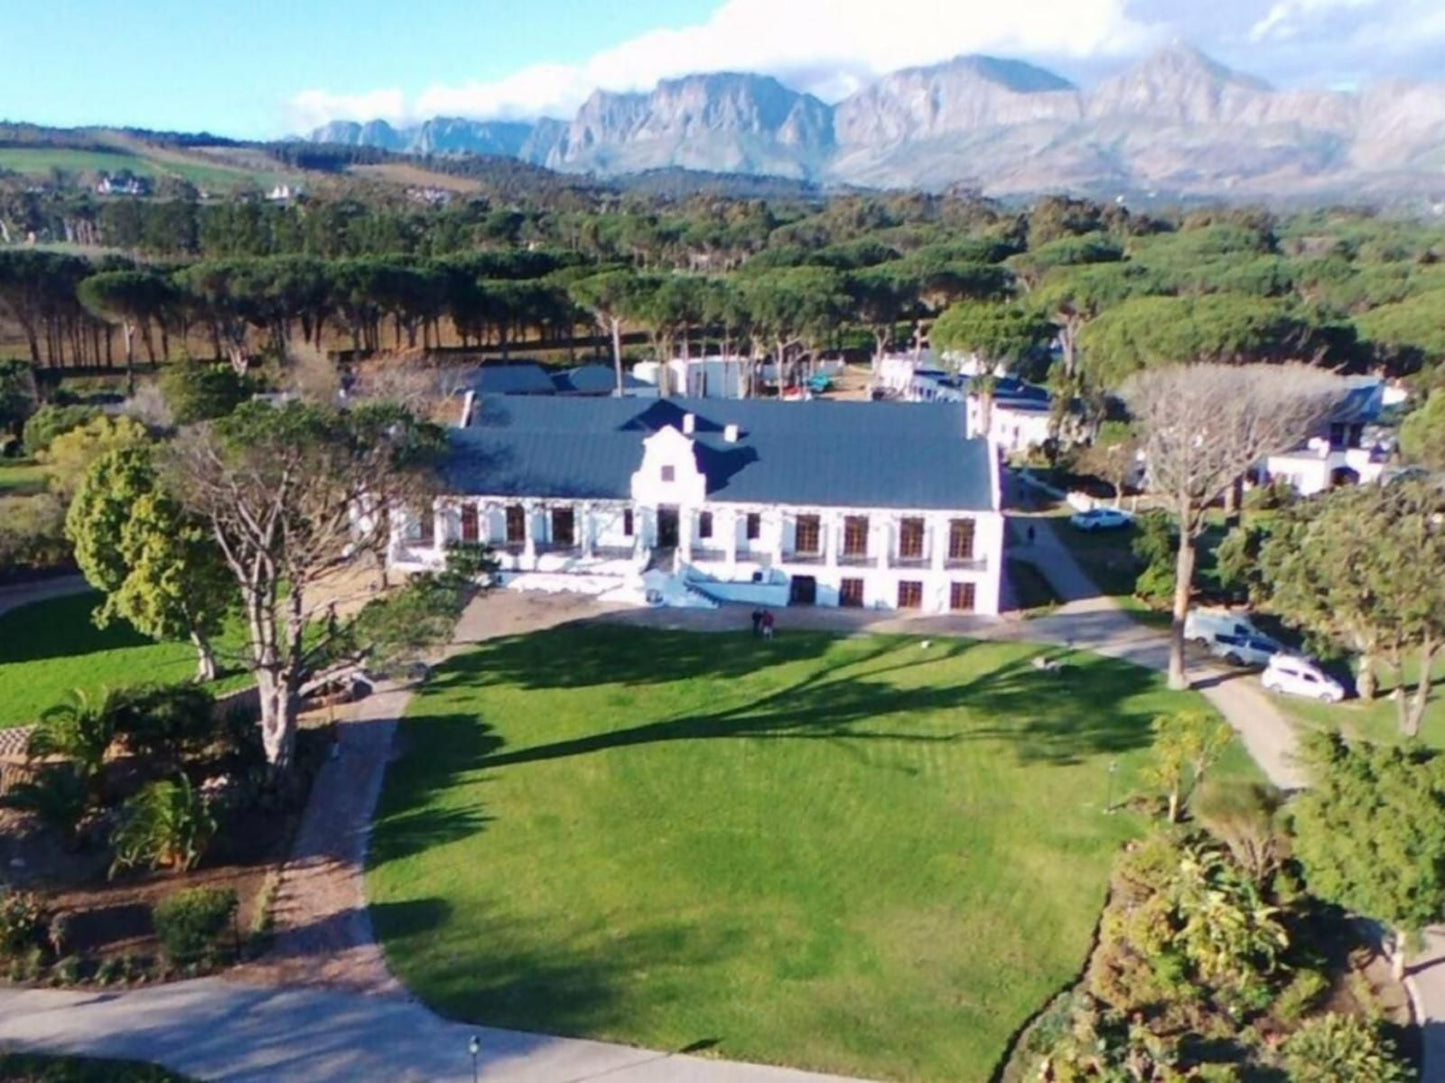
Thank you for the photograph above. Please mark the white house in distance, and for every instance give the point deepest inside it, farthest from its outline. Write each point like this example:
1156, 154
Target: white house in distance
1018, 412
1344, 450
702, 501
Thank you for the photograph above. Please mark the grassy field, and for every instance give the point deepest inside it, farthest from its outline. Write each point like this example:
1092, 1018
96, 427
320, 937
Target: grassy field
858, 855
20, 477
51, 647
44, 1068
39, 161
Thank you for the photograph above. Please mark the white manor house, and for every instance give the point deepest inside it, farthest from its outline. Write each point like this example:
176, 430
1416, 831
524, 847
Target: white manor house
702, 501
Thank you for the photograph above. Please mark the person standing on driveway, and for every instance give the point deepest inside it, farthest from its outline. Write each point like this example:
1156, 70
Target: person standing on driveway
757, 622
767, 624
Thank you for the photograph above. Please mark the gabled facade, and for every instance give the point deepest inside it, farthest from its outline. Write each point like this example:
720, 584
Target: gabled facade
696, 502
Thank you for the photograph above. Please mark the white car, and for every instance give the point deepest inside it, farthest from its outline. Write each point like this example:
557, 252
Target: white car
1100, 519
1297, 676
1244, 650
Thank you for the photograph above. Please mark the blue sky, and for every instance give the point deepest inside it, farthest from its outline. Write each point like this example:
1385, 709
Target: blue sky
265, 68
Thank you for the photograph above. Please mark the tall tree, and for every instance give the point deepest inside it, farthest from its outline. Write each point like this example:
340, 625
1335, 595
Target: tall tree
1360, 568
159, 568
1205, 425
18, 398
280, 489
607, 296
881, 296
132, 299
1370, 832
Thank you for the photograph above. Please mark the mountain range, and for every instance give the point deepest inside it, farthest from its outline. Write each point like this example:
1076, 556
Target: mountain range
1176, 121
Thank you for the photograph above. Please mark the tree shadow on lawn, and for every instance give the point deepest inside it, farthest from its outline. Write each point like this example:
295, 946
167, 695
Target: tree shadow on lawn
437, 752
62, 628
1062, 718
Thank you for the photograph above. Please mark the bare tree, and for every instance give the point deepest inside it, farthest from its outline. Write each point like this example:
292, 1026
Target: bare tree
286, 493
1206, 425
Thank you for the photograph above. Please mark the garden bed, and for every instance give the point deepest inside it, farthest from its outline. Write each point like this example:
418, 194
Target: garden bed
109, 930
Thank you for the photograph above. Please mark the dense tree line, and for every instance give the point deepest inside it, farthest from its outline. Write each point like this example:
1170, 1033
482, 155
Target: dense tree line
1104, 292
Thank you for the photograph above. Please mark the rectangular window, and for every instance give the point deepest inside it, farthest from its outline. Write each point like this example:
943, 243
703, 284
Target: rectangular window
668, 473
806, 536
755, 526
421, 527
850, 593
855, 536
962, 597
910, 594
471, 531
704, 524
960, 539
910, 539
516, 524
564, 533
627, 522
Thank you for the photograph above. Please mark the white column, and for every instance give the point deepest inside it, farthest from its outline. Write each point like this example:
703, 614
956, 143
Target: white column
832, 537
529, 535
585, 526
686, 517
938, 541
779, 525
438, 526
728, 520
878, 541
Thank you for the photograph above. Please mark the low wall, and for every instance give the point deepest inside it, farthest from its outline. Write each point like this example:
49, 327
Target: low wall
766, 594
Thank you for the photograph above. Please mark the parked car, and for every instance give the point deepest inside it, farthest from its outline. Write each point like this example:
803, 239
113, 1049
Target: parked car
1245, 650
1100, 519
1297, 676
1202, 625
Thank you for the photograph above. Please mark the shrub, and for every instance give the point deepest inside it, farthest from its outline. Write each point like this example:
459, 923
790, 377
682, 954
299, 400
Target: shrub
51, 421
165, 825
1279, 493
58, 931
66, 971
1156, 545
1300, 995
57, 795
76, 730
109, 971
32, 532
200, 391
191, 924
166, 722
22, 923
1342, 1049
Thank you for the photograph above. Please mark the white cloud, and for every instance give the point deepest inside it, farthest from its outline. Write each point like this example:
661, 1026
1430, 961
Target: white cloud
312, 108
828, 47
1289, 18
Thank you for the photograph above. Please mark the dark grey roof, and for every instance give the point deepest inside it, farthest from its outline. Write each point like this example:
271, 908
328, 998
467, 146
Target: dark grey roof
1020, 395
595, 379
902, 455
511, 378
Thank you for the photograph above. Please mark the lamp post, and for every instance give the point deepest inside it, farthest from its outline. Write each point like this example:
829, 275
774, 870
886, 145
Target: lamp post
1109, 803
474, 1047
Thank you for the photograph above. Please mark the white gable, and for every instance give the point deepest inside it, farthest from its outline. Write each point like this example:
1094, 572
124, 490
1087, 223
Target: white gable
668, 448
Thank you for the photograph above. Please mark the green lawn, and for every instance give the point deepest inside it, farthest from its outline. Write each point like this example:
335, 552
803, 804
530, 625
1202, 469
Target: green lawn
21, 477
51, 647
859, 855
38, 161
44, 1068
1377, 720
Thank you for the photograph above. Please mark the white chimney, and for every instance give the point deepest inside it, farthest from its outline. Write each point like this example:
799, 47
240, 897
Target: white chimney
689, 424
730, 433
468, 401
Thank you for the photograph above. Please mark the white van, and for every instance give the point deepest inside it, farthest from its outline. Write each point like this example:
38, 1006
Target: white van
1203, 625
1297, 676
